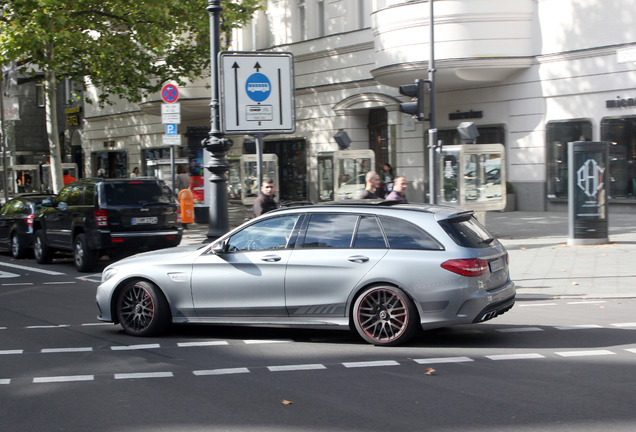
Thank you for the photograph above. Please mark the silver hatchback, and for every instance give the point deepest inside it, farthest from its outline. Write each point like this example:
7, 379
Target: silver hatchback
385, 270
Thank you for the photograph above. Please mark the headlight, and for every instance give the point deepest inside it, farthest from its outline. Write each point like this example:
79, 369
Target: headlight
108, 273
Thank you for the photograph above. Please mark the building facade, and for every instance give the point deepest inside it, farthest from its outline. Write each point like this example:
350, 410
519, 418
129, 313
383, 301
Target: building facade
532, 75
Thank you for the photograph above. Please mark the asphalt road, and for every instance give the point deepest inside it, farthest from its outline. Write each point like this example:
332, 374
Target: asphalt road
550, 365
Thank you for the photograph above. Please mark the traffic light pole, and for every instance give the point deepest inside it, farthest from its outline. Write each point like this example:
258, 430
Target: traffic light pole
433, 171
218, 146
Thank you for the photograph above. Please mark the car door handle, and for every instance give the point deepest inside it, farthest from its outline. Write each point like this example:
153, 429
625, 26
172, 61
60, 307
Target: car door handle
358, 258
270, 258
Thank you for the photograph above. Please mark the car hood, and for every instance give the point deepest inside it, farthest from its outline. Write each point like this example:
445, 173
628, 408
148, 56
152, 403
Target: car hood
170, 255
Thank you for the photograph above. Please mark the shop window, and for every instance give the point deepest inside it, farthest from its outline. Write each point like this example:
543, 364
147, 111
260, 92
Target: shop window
487, 135
558, 135
621, 132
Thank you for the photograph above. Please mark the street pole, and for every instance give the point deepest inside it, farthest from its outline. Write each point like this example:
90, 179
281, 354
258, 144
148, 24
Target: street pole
218, 165
432, 132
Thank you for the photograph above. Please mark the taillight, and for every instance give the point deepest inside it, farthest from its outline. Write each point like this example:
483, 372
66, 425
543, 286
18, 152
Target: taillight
101, 218
466, 267
29, 220
178, 214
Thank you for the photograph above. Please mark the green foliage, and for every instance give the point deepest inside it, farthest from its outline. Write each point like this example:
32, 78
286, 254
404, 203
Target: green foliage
127, 48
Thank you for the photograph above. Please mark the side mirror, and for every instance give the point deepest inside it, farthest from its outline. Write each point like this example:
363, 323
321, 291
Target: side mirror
219, 248
62, 206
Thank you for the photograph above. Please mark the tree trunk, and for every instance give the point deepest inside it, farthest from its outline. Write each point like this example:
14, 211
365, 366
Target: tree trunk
50, 81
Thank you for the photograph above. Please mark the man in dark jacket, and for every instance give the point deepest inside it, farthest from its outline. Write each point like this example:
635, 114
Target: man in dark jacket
265, 201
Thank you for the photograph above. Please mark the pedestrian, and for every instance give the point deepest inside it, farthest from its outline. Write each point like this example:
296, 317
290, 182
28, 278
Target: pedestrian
399, 190
101, 173
68, 178
135, 172
387, 177
265, 201
182, 181
372, 183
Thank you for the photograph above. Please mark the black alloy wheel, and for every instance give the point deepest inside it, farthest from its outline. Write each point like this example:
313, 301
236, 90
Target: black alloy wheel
85, 258
385, 316
142, 310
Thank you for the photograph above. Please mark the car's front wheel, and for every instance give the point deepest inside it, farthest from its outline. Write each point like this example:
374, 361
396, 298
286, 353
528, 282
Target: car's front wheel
385, 315
17, 249
85, 258
43, 253
142, 310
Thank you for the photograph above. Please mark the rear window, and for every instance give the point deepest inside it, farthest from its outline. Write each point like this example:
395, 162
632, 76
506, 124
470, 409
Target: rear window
466, 231
136, 192
405, 235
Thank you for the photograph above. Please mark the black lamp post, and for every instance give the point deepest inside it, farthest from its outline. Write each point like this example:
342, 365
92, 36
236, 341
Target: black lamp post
218, 164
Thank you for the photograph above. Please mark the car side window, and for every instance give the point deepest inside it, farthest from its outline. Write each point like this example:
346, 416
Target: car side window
89, 195
405, 235
271, 233
75, 197
63, 196
369, 234
330, 231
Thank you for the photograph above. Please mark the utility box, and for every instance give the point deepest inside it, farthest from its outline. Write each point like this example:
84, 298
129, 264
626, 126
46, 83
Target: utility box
588, 182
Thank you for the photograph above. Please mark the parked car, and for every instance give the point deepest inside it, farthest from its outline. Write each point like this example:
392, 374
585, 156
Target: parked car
16, 223
115, 217
383, 270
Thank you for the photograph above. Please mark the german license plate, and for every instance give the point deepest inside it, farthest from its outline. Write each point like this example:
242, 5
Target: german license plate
151, 220
496, 265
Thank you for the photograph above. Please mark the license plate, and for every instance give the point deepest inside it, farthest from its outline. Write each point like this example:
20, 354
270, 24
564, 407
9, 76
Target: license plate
496, 265
151, 220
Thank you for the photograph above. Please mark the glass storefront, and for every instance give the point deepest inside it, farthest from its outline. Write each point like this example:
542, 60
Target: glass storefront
558, 135
621, 132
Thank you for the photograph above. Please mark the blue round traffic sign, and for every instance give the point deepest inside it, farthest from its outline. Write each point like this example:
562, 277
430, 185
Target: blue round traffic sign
170, 93
258, 87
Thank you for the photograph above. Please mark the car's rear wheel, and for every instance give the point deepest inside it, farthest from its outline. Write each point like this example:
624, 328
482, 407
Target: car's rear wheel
17, 249
142, 310
385, 315
43, 253
85, 258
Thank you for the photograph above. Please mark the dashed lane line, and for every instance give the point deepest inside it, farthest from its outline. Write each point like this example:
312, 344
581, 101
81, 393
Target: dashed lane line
579, 327
299, 367
443, 360
585, 353
224, 371
515, 356
376, 363
520, 330
61, 379
144, 375
135, 347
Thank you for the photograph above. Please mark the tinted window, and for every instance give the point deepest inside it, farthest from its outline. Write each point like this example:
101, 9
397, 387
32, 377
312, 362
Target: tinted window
405, 235
75, 196
369, 234
330, 231
89, 195
273, 233
136, 192
64, 195
467, 231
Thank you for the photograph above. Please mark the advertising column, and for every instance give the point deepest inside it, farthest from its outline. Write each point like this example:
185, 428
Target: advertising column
588, 185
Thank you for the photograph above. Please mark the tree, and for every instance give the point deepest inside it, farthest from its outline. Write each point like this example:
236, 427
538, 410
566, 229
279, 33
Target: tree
127, 48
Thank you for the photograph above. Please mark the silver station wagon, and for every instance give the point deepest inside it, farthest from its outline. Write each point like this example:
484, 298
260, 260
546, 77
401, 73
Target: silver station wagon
384, 270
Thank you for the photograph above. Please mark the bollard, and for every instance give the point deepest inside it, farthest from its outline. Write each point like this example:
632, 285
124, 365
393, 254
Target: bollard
186, 201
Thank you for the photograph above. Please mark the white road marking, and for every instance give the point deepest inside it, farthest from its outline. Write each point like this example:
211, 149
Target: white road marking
97, 324
8, 275
33, 269
259, 341
443, 360
58, 379
371, 364
296, 367
142, 375
584, 353
536, 304
134, 347
65, 350
200, 344
515, 356
15, 351
578, 327
59, 283
227, 371
520, 330
632, 324
632, 350
5, 381
587, 302
48, 326
19, 284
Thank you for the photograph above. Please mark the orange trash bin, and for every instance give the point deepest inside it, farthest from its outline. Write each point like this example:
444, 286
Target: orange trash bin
186, 201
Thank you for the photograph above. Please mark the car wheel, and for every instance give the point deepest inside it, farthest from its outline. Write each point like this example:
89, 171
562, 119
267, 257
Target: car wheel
385, 315
85, 258
16, 247
43, 253
142, 310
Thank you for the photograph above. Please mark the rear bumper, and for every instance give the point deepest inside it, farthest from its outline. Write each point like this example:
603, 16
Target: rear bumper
139, 241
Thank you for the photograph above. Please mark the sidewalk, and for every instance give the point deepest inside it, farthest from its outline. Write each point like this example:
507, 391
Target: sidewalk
541, 263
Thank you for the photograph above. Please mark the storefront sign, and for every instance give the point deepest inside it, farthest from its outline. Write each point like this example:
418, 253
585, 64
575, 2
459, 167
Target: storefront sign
620, 103
466, 115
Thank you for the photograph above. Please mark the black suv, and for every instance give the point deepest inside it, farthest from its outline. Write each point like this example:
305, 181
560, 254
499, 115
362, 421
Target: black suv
114, 217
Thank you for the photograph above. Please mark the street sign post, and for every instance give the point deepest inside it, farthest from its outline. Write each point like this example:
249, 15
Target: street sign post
257, 92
